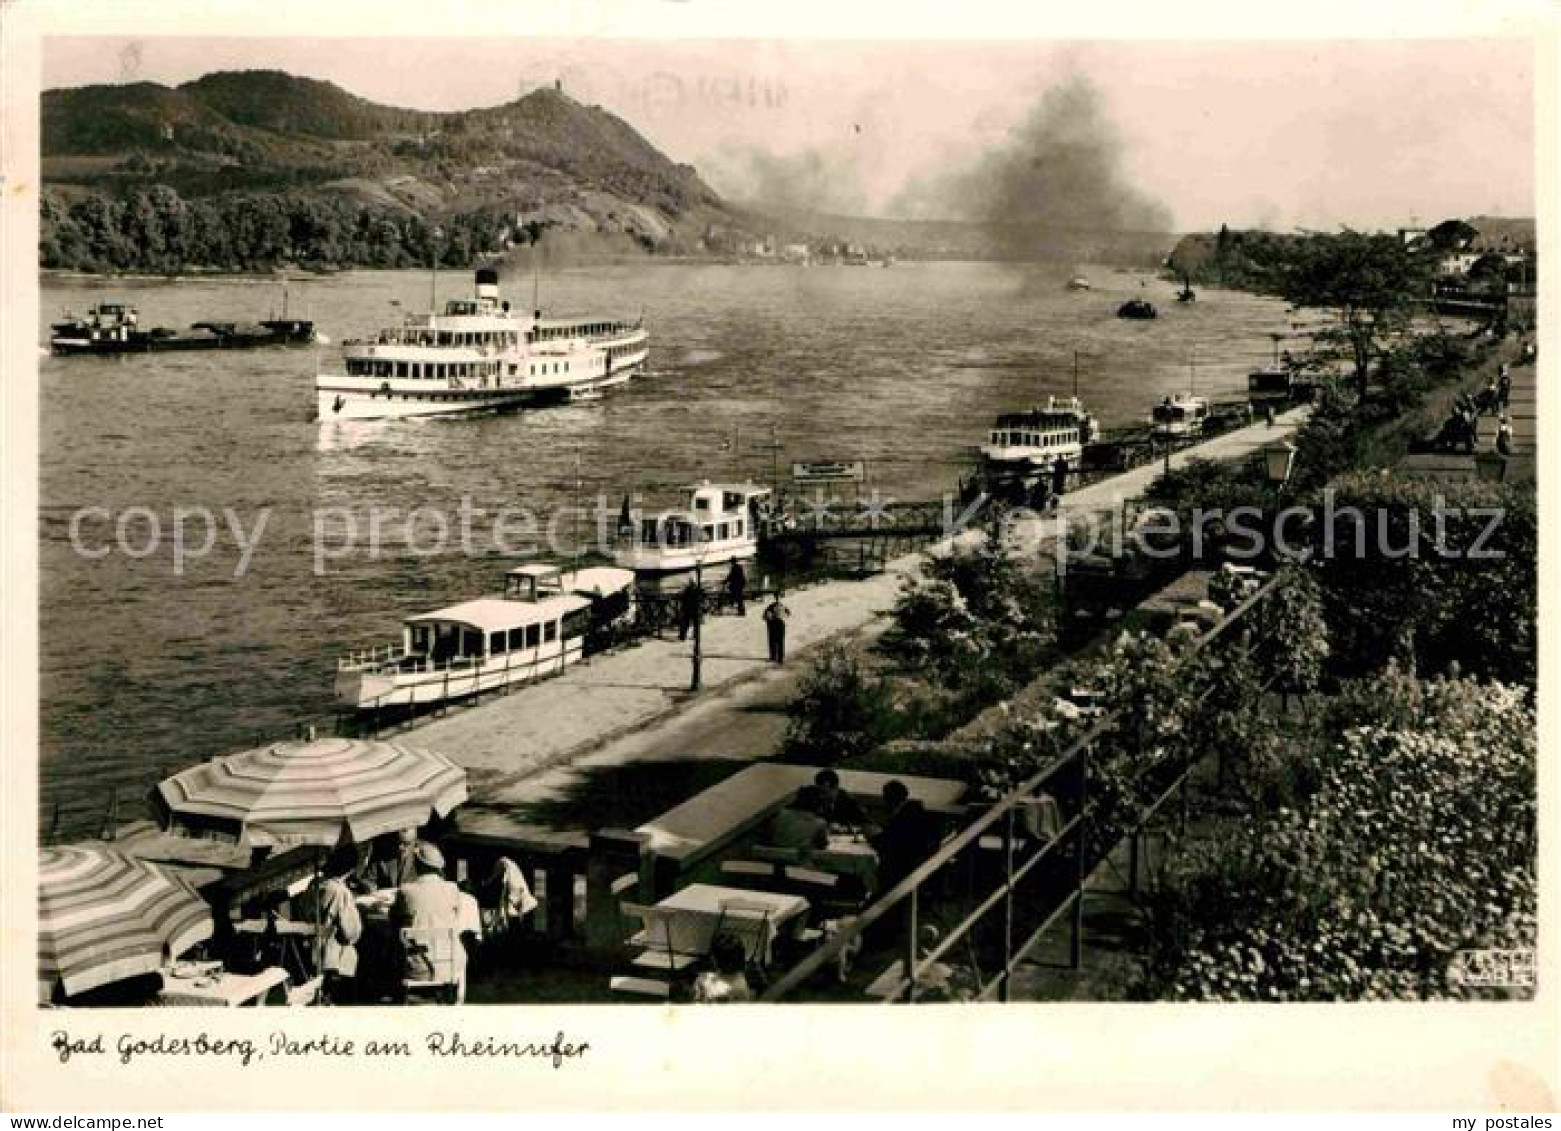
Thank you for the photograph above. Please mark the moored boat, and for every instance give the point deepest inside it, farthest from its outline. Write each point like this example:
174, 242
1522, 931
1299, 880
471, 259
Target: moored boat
1027, 444
719, 525
462, 650
1079, 283
610, 591
1137, 308
1179, 417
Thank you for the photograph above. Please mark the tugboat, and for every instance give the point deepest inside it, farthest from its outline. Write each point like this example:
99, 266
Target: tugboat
114, 328
1137, 308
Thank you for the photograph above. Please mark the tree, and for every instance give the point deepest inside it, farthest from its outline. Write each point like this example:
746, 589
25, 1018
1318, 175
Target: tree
1370, 283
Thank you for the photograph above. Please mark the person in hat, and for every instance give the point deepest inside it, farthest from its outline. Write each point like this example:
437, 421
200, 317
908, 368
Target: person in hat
775, 617
391, 864
428, 900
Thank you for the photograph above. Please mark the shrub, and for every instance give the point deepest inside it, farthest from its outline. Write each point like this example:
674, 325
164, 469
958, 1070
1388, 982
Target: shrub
839, 711
1420, 843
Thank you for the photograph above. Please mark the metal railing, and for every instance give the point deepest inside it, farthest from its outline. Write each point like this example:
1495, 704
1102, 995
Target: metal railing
1068, 777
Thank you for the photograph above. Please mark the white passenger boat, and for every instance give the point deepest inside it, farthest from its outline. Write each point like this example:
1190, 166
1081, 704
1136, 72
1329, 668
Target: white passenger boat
479, 645
1031, 443
719, 525
609, 589
1179, 417
478, 356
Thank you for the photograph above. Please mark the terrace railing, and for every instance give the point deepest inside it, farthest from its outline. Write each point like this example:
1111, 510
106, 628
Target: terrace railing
1039, 879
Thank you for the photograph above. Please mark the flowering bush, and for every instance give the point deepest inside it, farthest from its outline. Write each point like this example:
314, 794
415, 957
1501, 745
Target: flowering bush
1418, 844
1294, 632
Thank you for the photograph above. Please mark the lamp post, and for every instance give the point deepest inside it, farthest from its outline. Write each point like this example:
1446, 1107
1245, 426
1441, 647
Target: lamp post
1278, 462
699, 617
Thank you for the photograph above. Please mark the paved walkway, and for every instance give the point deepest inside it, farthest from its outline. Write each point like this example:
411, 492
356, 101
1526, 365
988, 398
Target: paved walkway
530, 751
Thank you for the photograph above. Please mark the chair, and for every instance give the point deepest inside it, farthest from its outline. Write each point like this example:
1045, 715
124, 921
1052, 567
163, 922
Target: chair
176, 1000
683, 937
749, 921
307, 993
438, 948
640, 987
812, 877
774, 855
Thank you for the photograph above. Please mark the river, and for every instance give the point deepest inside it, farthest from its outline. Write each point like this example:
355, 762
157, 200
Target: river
146, 668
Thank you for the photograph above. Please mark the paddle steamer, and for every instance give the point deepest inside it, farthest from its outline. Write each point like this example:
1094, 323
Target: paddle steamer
478, 355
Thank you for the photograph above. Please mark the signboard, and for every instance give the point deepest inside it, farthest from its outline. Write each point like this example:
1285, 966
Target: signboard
852, 472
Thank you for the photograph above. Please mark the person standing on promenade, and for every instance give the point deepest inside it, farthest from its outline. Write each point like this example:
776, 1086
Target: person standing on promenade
688, 609
775, 618
737, 586
1059, 480
1504, 435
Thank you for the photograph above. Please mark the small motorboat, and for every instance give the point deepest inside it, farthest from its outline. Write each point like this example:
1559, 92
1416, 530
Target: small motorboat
1137, 308
1078, 283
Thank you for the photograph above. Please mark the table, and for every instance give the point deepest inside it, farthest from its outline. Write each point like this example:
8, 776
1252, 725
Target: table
1040, 817
716, 818
222, 987
713, 900
849, 854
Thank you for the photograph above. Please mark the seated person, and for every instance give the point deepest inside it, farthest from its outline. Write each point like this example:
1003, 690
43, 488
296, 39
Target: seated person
800, 826
509, 897
907, 838
390, 862
835, 806
727, 983
428, 900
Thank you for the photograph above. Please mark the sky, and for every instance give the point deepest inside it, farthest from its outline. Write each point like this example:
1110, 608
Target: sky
1284, 134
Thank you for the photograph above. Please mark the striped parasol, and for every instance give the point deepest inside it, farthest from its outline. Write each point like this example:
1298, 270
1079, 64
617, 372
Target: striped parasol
323, 791
104, 916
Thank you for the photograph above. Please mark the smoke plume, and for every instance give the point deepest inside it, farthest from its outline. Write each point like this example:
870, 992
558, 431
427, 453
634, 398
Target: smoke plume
812, 180
1055, 187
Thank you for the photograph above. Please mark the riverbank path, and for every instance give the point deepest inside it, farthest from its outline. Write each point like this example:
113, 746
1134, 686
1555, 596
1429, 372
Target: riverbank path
531, 751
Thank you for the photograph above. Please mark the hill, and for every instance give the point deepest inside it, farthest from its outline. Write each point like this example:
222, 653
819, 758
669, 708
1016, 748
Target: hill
542, 163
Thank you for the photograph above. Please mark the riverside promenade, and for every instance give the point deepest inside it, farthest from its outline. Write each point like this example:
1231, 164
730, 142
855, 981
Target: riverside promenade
530, 751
